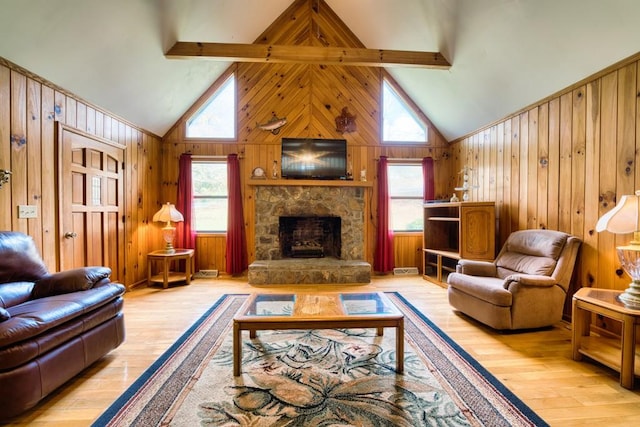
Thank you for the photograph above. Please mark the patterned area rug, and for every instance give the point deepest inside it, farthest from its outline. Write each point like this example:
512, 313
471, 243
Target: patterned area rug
316, 378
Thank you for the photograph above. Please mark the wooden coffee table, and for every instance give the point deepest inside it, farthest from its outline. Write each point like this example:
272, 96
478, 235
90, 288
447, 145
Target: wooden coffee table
317, 311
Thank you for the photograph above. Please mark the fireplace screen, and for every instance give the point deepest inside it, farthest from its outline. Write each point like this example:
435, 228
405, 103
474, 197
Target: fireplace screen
309, 236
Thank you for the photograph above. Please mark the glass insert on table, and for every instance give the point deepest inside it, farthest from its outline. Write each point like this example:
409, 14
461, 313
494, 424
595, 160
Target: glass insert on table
272, 305
369, 303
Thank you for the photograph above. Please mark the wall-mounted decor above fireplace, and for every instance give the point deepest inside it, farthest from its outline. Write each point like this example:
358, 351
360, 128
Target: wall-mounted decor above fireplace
312, 158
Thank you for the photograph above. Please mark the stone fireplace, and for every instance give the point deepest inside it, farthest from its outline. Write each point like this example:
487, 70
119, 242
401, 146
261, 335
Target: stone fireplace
309, 234
345, 203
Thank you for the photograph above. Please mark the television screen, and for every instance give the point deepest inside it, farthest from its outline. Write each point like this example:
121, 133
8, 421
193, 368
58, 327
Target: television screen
307, 158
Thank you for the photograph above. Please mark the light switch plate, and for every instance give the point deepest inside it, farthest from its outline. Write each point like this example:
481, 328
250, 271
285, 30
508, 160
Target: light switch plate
27, 211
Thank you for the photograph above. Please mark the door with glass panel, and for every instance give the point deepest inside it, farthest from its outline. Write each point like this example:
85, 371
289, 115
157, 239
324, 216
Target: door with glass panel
91, 204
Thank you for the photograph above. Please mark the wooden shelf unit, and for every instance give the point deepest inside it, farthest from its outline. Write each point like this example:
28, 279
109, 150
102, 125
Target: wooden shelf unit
456, 230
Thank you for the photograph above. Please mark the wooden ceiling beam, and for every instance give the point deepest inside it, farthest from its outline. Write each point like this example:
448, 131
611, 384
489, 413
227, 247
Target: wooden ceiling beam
307, 54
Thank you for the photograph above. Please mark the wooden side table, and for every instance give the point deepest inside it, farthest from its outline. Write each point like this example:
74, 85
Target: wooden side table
616, 354
167, 275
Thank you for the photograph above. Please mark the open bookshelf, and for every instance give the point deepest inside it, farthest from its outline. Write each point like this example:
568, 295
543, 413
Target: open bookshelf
456, 230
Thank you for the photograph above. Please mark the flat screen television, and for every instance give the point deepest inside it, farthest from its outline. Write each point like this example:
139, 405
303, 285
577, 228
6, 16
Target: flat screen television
313, 158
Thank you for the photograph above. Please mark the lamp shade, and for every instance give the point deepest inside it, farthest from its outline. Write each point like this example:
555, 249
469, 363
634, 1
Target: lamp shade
168, 213
623, 218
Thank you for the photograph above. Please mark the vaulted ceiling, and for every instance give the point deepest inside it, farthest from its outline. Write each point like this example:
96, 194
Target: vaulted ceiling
505, 54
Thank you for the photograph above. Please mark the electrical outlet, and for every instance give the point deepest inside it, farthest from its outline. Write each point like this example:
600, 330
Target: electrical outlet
27, 211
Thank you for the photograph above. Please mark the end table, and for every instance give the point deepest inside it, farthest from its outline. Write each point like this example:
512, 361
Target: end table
167, 275
619, 354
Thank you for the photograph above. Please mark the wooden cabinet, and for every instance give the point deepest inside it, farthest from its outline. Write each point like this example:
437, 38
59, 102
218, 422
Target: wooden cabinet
457, 230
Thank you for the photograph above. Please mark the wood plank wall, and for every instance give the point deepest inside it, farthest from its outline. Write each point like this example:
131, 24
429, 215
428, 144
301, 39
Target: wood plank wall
310, 97
562, 163
29, 108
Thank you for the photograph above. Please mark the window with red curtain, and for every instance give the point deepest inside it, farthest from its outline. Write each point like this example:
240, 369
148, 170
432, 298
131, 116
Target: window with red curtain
383, 261
236, 248
406, 195
185, 235
429, 179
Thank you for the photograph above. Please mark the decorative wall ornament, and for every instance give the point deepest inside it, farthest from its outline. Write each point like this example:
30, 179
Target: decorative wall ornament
4, 177
273, 125
466, 184
346, 122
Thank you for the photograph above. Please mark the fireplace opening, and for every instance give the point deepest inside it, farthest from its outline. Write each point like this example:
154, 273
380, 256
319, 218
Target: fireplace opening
309, 236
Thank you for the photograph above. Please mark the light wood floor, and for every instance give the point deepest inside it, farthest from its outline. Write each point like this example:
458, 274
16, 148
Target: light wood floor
536, 366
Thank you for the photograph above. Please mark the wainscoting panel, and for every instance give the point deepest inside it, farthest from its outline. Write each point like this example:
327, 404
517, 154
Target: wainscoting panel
561, 164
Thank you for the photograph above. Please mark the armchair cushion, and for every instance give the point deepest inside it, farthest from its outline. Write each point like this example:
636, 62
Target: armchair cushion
516, 262
529, 280
476, 268
4, 315
485, 288
18, 250
538, 243
64, 282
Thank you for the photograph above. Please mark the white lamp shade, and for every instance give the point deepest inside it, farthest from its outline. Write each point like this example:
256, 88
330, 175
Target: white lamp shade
623, 218
167, 213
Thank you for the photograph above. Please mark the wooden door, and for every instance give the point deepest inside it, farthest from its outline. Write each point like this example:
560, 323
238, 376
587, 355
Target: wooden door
91, 207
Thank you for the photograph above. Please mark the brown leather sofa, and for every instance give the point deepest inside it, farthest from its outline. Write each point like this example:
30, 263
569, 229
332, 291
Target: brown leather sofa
52, 326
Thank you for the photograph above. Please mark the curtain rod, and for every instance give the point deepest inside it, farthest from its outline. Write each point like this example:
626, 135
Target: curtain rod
205, 157
404, 159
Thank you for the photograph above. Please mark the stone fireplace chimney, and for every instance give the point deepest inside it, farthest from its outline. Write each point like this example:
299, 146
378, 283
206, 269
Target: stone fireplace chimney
344, 203
333, 233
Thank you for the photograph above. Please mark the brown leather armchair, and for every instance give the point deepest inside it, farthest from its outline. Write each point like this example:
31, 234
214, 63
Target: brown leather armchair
525, 287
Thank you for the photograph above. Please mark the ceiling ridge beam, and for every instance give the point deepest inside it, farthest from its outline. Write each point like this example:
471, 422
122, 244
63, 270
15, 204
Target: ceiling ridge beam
239, 52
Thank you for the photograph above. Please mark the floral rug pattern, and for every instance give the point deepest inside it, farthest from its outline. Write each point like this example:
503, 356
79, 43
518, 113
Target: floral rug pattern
328, 377
321, 378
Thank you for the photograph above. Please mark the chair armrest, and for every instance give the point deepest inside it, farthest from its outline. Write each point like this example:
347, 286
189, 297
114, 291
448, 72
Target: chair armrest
529, 280
64, 282
476, 268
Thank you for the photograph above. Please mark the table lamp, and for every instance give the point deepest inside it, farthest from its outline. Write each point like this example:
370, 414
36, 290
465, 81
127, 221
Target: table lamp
624, 218
168, 213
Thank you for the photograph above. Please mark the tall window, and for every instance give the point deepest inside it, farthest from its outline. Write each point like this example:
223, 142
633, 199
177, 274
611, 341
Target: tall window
217, 117
400, 123
406, 184
210, 196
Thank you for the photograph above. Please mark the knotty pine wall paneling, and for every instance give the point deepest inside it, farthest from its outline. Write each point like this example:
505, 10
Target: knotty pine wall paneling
310, 106
310, 96
561, 164
29, 108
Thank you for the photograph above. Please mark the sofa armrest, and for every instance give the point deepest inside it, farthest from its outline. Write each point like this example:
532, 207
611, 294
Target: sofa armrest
529, 280
64, 282
476, 268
